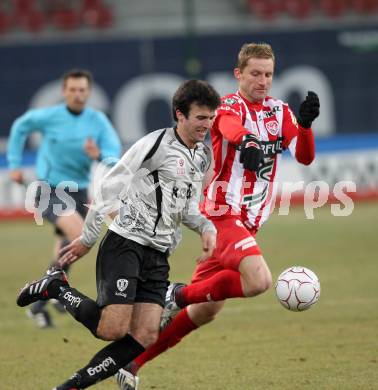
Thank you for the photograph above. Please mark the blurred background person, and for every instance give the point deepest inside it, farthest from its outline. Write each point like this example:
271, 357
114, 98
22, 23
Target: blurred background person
73, 137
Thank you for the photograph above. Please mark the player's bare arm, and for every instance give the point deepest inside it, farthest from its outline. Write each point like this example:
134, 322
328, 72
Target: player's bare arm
72, 252
91, 149
16, 175
208, 245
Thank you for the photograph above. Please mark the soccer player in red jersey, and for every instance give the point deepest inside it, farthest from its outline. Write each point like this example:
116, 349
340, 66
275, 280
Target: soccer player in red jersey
249, 133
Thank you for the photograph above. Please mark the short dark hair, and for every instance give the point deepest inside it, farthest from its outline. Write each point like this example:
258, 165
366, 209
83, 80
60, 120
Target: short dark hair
194, 91
76, 74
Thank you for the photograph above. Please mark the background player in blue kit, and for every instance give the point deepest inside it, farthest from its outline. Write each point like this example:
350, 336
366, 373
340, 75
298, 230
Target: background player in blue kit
73, 137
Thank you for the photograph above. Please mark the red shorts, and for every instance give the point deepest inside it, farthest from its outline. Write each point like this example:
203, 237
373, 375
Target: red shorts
234, 242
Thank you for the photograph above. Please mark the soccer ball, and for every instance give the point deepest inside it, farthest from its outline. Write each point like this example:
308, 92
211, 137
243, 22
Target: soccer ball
297, 288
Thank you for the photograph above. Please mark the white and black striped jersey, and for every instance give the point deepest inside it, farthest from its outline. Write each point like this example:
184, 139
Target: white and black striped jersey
155, 186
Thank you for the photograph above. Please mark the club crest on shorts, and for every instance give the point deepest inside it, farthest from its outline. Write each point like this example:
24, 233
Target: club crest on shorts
122, 284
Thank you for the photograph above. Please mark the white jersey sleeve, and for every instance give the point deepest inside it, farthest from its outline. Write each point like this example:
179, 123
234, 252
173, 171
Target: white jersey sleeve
193, 219
152, 190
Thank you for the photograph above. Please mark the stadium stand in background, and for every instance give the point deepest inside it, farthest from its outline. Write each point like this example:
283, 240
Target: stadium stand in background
272, 9
329, 46
37, 15
45, 16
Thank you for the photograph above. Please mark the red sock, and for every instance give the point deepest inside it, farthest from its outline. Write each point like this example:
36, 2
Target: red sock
169, 337
224, 284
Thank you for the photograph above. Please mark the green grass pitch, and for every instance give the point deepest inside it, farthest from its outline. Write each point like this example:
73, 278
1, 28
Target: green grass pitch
253, 344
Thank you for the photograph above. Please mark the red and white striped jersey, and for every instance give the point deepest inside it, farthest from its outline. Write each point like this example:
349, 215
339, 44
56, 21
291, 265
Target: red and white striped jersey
232, 189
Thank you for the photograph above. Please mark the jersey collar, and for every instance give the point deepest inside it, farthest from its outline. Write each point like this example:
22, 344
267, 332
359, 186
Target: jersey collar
257, 106
181, 140
75, 113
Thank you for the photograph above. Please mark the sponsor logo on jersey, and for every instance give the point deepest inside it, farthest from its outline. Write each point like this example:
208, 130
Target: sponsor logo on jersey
268, 114
272, 127
252, 200
227, 108
103, 366
180, 166
271, 148
265, 170
229, 101
252, 144
183, 193
272, 112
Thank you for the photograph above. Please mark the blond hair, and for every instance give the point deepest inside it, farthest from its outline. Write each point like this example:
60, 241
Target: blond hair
254, 50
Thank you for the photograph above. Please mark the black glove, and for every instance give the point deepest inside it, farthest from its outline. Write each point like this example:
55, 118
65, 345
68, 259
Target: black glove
251, 153
308, 110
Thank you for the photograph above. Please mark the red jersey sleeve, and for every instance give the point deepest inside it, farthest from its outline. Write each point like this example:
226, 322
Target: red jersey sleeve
305, 148
229, 120
305, 145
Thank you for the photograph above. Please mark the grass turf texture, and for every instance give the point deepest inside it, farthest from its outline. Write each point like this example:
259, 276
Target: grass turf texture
254, 343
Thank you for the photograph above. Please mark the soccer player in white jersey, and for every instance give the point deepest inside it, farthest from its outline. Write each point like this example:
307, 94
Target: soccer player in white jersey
153, 188
249, 133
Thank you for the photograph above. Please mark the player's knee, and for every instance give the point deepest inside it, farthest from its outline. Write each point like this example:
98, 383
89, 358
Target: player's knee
258, 285
110, 332
262, 285
146, 337
256, 276
115, 322
150, 339
109, 329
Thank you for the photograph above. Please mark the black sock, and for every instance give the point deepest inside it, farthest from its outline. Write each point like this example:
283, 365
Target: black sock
56, 287
82, 308
107, 362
